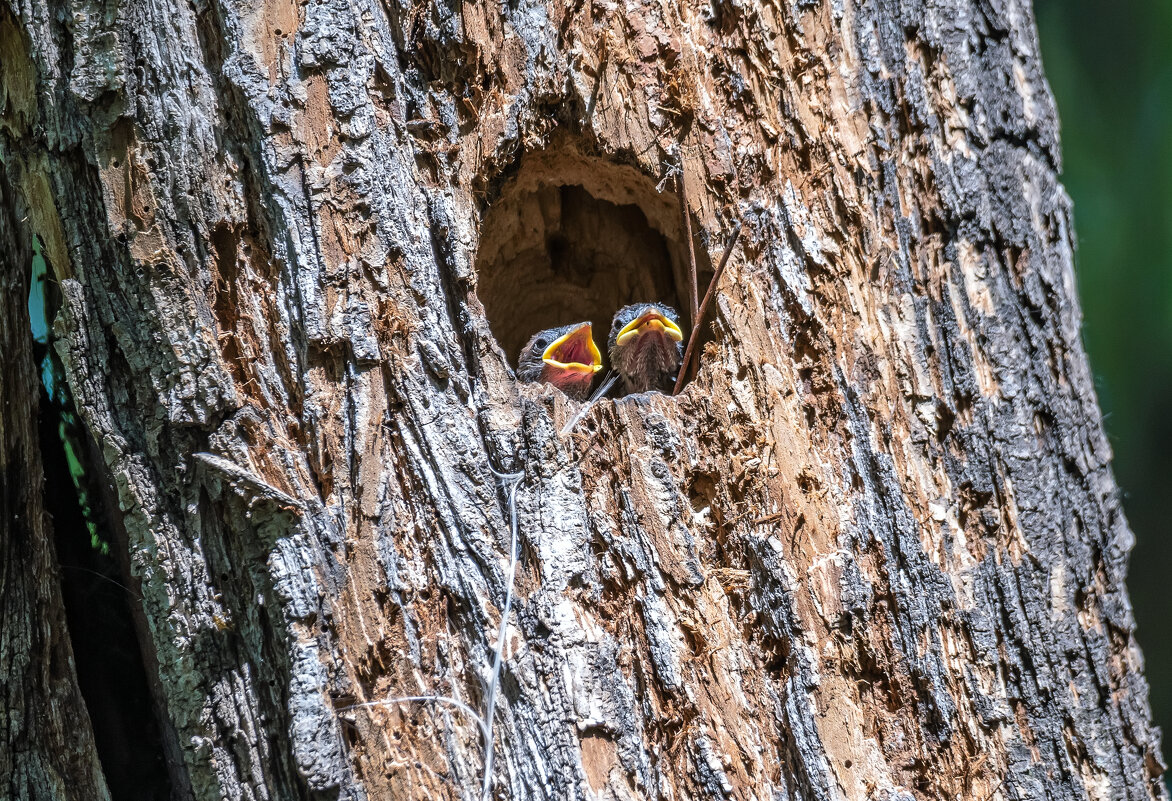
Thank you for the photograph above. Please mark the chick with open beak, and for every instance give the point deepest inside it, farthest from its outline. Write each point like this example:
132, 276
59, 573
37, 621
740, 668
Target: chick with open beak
646, 346
565, 357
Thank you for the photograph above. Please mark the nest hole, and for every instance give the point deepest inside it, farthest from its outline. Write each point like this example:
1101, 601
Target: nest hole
571, 237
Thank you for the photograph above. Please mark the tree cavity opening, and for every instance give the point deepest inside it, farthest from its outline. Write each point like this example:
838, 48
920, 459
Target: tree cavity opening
571, 238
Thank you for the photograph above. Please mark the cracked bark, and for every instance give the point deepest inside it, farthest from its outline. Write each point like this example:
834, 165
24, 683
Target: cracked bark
873, 550
46, 746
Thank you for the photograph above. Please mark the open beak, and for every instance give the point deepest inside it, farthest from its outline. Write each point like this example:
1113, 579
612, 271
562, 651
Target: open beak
646, 323
575, 351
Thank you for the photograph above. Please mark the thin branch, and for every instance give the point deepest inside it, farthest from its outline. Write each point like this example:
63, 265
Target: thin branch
600, 75
670, 170
510, 481
105, 578
595, 396
694, 282
996, 788
694, 337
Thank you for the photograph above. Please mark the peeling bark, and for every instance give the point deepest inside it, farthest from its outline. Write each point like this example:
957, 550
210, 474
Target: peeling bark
873, 551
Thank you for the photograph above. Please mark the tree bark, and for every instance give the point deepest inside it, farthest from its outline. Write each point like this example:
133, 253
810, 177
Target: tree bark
46, 745
873, 551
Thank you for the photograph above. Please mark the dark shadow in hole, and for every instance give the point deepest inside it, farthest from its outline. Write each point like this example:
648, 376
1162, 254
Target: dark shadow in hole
585, 259
571, 238
98, 598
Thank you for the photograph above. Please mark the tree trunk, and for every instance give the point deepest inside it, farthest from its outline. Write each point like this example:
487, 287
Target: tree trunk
46, 745
873, 550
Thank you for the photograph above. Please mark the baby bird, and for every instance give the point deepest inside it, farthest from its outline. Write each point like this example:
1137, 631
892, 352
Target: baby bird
646, 346
565, 357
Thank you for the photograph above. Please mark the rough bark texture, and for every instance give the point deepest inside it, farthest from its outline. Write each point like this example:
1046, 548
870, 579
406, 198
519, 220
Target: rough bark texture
874, 550
46, 746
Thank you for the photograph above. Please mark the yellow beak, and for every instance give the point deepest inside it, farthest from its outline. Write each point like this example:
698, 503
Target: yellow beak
651, 321
572, 343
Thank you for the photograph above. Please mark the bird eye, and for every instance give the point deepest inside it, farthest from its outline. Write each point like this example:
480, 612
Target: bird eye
542, 343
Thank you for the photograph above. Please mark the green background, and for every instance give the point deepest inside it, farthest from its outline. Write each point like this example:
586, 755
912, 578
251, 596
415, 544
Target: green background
1110, 66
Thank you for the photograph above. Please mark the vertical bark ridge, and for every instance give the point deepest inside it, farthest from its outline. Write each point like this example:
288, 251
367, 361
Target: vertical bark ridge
47, 748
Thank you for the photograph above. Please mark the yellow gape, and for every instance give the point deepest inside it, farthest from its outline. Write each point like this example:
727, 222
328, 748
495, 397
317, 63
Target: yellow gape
569, 352
651, 321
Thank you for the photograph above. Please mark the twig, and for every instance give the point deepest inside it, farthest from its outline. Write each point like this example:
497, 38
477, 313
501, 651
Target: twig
670, 171
600, 75
595, 396
510, 481
699, 318
997, 787
105, 578
695, 286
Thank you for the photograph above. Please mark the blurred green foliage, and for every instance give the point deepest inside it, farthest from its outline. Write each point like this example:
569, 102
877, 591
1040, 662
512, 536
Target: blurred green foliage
60, 404
1110, 66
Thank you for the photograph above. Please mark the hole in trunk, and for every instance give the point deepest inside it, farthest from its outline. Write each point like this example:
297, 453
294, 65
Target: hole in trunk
97, 598
571, 238
95, 582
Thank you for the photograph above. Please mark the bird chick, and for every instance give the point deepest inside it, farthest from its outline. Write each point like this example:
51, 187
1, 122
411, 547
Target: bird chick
646, 346
565, 357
